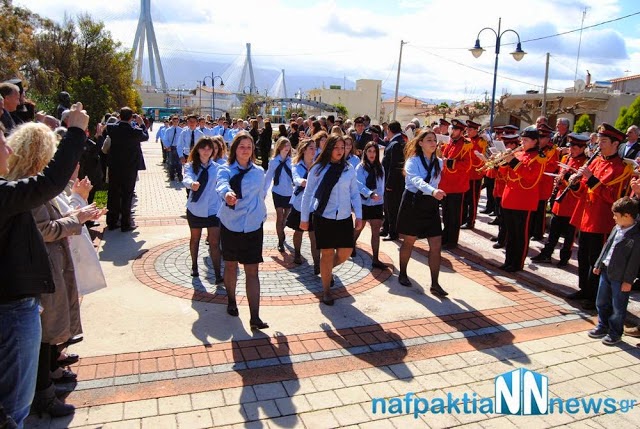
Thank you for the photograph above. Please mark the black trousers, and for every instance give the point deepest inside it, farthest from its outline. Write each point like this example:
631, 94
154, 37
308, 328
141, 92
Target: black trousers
175, 168
489, 184
470, 204
538, 218
560, 227
120, 198
452, 218
517, 241
590, 245
502, 231
164, 153
392, 200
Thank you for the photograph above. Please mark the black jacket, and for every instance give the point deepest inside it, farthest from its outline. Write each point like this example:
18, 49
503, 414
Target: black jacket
625, 259
364, 139
24, 262
125, 153
393, 163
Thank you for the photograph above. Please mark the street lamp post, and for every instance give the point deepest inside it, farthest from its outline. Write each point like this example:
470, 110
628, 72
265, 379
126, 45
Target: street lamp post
477, 50
213, 91
200, 101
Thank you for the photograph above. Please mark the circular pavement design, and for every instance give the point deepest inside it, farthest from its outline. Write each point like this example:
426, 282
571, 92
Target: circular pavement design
167, 268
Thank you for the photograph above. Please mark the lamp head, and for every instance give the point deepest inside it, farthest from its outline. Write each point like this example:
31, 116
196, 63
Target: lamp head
477, 50
518, 54
221, 84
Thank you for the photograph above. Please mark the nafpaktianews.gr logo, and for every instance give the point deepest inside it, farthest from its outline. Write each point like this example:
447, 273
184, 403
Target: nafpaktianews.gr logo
517, 392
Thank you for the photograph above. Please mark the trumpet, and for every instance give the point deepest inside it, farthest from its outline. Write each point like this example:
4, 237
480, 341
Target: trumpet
498, 159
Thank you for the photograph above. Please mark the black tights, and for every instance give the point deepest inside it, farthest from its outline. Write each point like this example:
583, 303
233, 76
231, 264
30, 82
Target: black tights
47, 362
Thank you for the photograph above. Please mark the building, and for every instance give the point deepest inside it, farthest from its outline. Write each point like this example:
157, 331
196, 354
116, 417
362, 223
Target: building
407, 109
627, 84
363, 100
198, 100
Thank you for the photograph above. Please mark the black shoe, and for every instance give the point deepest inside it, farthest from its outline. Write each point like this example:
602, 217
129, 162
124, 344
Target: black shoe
75, 339
542, 259
486, 211
449, 246
379, 265
576, 295
493, 238
391, 238
404, 280
45, 401
498, 246
280, 248
438, 291
128, 228
608, 340
504, 267
194, 272
467, 226
69, 360
258, 325
219, 279
328, 301
353, 253
66, 377
113, 227
384, 233
598, 333
587, 304
316, 269
494, 222
511, 269
563, 263
333, 282
232, 311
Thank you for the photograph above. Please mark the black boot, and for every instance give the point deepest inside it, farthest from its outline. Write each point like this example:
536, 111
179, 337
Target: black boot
46, 401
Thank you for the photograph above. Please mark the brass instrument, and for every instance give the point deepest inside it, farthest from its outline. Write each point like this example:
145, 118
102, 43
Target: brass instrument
498, 159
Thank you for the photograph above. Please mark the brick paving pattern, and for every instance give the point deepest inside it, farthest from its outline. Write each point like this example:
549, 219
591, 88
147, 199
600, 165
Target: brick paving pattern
327, 376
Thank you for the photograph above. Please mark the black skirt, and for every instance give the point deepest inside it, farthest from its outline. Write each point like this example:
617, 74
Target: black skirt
242, 247
280, 201
372, 212
293, 220
333, 234
197, 222
419, 216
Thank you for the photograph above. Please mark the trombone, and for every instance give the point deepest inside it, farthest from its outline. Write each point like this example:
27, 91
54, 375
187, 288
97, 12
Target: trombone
496, 160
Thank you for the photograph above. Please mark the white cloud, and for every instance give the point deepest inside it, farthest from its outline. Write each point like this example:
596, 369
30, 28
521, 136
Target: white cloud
361, 39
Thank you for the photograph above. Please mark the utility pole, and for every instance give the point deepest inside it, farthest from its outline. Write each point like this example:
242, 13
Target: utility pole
584, 13
395, 100
544, 91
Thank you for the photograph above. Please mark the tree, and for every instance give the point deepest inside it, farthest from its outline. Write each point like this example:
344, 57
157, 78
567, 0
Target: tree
78, 56
629, 115
583, 124
341, 109
249, 106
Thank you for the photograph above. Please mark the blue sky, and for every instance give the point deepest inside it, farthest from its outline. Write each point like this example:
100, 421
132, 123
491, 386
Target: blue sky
360, 39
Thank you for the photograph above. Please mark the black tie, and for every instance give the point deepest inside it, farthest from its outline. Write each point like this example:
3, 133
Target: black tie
299, 189
323, 192
276, 175
236, 185
193, 132
203, 178
175, 130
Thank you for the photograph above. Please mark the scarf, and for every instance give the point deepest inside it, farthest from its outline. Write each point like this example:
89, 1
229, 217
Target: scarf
299, 189
236, 184
276, 176
203, 179
329, 180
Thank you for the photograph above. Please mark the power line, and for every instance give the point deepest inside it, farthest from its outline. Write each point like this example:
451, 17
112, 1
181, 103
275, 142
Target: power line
540, 38
481, 70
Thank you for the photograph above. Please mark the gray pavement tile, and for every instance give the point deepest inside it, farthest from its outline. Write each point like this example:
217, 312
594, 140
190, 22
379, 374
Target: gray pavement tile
192, 372
155, 376
94, 384
127, 379
261, 363
327, 354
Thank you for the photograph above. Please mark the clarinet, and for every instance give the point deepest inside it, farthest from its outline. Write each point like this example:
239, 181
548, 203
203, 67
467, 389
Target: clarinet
569, 185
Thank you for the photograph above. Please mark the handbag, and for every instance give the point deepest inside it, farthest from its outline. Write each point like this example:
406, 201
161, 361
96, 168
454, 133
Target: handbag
86, 265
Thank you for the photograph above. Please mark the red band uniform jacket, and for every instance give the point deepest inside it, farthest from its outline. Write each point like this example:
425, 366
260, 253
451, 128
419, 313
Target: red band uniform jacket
479, 145
551, 156
568, 204
455, 180
523, 179
597, 194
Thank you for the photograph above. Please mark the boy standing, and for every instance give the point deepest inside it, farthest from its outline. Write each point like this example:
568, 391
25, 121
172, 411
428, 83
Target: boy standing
617, 266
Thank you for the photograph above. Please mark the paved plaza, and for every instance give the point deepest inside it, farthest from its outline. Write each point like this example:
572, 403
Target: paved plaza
159, 350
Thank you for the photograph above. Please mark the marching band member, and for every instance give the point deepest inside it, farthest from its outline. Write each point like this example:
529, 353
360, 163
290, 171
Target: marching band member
511, 142
550, 154
562, 210
455, 182
520, 198
597, 185
472, 196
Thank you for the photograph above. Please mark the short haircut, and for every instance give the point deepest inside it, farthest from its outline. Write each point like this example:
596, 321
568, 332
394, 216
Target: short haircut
564, 121
7, 88
626, 205
395, 127
192, 117
126, 114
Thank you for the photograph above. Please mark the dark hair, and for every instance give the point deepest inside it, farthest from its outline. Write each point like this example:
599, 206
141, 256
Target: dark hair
375, 165
353, 146
194, 157
282, 129
626, 205
318, 136
395, 127
413, 148
222, 147
126, 114
325, 156
300, 150
316, 127
242, 135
